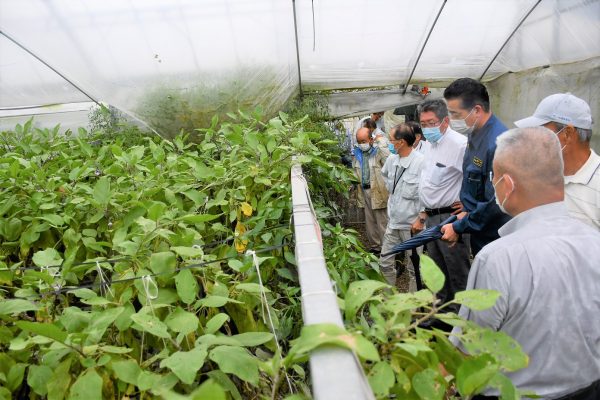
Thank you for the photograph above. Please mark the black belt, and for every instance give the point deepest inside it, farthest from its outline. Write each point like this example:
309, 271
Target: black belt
438, 211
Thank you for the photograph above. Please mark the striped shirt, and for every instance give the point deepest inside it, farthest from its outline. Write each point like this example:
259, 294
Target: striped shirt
582, 192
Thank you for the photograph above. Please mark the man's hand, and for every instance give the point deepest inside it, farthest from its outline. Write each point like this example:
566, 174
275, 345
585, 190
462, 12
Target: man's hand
457, 207
461, 215
449, 235
417, 226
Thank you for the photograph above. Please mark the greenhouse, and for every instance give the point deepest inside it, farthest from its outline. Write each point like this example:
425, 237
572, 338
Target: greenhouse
189, 199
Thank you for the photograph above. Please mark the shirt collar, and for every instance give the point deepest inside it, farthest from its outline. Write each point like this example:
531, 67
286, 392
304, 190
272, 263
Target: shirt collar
587, 170
405, 161
526, 217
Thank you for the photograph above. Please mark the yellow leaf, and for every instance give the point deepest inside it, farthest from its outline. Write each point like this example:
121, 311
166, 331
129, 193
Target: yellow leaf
246, 209
240, 244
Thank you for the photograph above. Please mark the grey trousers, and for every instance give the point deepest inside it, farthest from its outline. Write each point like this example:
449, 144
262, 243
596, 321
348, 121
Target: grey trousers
375, 222
387, 265
453, 261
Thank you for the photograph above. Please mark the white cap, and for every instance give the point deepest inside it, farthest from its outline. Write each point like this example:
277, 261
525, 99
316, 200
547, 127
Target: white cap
563, 108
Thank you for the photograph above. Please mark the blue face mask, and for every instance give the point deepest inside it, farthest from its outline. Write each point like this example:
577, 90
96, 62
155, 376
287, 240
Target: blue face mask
392, 149
432, 134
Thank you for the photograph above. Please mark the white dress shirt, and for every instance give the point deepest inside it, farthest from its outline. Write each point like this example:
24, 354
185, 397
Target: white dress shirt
441, 178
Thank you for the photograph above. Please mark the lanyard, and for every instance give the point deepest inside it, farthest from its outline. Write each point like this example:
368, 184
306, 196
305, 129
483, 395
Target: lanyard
396, 180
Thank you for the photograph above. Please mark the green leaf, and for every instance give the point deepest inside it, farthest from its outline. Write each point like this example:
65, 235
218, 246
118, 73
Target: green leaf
237, 361
38, 377
115, 349
432, 276
475, 373
187, 287
127, 371
187, 252
15, 376
198, 218
162, 263
182, 321
508, 391
53, 219
215, 323
46, 258
185, 364
87, 387
251, 339
250, 287
102, 191
503, 348
477, 299
216, 301
429, 385
313, 336
16, 306
151, 324
61, 379
358, 293
209, 390
48, 330
381, 378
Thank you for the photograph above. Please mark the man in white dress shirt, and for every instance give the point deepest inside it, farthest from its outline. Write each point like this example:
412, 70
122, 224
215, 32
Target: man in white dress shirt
439, 190
546, 266
571, 119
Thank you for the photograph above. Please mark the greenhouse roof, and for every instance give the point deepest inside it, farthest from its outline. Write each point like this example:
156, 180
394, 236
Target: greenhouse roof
70, 51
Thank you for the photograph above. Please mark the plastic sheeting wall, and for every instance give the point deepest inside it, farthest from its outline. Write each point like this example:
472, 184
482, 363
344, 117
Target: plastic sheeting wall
376, 43
150, 57
515, 96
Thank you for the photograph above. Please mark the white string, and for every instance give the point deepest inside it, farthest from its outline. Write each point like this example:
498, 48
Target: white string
104, 283
148, 283
265, 305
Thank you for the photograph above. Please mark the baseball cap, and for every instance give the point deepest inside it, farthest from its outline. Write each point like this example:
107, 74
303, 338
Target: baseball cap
563, 108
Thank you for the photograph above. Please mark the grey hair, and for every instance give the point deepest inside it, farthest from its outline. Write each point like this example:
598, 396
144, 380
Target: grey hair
437, 106
585, 135
531, 155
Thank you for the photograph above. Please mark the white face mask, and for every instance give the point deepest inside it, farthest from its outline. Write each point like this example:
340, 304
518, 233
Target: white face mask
364, 146
460, 125
501, 205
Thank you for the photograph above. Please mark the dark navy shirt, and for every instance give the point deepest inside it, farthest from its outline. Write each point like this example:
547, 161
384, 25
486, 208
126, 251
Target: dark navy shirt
477, 192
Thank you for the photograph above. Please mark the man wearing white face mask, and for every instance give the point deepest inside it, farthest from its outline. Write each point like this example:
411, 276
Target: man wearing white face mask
546, 268
571, 119
470, 114
372, 194
439, 189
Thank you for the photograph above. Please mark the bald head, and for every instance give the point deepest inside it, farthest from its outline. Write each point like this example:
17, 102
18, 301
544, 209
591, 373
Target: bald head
532, 157
363, 135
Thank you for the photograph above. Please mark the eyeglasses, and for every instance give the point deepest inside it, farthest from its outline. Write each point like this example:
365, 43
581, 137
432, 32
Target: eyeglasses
430, 124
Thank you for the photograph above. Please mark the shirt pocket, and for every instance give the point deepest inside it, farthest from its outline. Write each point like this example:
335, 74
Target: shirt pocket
410, 189
475, 188
438, 175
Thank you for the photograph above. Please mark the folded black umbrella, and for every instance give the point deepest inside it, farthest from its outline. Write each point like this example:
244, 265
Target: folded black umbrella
428, 235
